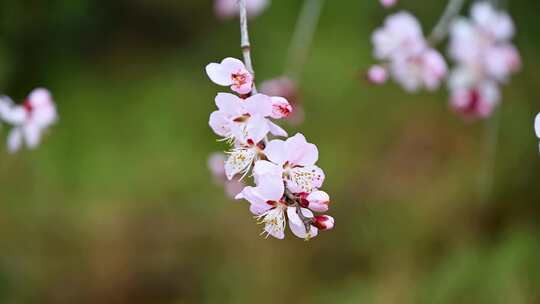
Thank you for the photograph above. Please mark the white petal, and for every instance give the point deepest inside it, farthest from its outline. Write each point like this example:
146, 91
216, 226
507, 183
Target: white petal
278, 234
218, 75
232, 65
14, 140
297, 226
220, 124
266, 168
10, 113
259, 104
270, 188
276, 151
276, 130
256, 128
229, 103
32, 135
300, 152
40, 97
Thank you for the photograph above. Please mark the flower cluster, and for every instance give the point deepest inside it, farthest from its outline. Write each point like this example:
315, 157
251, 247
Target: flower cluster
286, 180
406, 54
484, 58
480, 47
29, 120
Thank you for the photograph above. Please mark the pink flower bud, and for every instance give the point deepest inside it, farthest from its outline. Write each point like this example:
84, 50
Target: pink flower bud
318, 201
323, 222
377, 74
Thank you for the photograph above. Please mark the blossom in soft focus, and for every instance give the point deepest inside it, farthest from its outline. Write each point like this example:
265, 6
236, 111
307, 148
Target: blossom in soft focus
426, 69
388, 3
226, 9
29, 120
470, 95
216, 165
401, 36
485, 58
231, 72
412, 63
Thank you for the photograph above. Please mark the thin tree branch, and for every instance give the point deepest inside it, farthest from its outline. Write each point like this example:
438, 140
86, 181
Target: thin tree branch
244, 40
303, 37
440, 31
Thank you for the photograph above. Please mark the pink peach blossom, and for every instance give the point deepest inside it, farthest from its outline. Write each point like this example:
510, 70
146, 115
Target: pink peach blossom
231, 72
294, 160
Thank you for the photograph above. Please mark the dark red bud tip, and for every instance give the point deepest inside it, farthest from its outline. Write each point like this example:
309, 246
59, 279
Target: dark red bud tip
323, 222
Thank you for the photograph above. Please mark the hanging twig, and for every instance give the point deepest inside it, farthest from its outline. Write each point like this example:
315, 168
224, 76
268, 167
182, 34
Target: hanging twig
302, 37
440, 31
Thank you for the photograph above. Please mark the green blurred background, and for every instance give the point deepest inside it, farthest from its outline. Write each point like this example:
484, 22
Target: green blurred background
118, 206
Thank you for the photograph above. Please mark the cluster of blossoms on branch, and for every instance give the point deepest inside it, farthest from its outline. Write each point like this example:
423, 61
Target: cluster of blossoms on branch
485, 58
406, 54
286, 180
28, 120
480, 47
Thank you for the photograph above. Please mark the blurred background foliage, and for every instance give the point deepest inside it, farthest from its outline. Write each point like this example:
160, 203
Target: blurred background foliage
117, 205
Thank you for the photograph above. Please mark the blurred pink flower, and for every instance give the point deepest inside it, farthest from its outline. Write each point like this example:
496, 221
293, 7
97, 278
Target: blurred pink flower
401, 36
485, 58
29, 120
426, 69
412, 63
227, 9
475, 102
231, 72
388, 3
